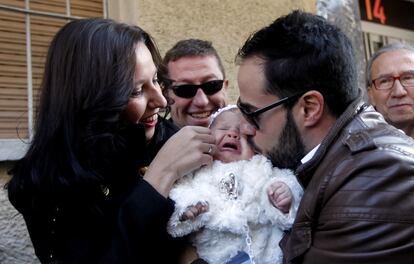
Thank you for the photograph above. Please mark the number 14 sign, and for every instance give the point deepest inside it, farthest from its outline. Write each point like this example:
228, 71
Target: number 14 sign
376, 12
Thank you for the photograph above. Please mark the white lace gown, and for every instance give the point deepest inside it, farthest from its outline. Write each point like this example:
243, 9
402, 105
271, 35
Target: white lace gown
240, 215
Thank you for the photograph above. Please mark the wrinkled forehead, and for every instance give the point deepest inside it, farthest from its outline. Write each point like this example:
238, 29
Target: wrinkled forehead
393, 60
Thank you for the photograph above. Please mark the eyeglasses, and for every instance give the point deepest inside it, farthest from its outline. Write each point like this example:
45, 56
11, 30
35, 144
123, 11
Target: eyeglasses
190, 90
387, 82
252, 117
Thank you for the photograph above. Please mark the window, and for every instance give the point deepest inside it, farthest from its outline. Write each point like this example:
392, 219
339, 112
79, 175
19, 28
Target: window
26, 29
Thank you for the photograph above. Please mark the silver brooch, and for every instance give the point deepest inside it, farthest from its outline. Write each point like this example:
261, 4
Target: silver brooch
229, 186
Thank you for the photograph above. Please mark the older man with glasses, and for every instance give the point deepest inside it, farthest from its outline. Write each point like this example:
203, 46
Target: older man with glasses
303, 109
390, 81
196, 85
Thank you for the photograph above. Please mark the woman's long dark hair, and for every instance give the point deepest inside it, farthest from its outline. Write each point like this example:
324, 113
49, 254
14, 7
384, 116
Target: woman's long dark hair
87, 82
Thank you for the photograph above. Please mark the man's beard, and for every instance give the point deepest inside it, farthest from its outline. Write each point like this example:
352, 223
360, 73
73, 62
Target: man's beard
289, 150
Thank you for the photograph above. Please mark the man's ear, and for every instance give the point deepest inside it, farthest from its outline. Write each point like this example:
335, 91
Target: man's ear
312, 105
226, 84
168, 93
371, 96
225, 91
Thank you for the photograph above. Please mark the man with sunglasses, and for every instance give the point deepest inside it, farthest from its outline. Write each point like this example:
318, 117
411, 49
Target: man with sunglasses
303, 109
390, 82
197, 83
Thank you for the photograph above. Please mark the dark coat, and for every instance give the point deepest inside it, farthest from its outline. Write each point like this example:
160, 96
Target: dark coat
358, 205
122, 221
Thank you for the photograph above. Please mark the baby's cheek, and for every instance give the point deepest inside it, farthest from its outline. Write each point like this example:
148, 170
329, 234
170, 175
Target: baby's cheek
217, 136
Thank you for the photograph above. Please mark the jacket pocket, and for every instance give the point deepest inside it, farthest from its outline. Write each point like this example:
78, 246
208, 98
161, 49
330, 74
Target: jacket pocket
296, 242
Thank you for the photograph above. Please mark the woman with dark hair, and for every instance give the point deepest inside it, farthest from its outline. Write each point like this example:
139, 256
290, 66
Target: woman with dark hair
78, 186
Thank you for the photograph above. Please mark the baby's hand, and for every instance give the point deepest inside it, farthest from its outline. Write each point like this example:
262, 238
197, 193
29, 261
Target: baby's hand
194, 210
280, 196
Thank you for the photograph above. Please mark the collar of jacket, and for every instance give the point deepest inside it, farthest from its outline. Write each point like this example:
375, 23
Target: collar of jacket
304, 171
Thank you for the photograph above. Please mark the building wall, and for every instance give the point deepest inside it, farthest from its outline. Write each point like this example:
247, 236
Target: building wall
15, 244
227, 23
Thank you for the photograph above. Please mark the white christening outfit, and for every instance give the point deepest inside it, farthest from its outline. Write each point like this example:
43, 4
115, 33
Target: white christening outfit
240, 216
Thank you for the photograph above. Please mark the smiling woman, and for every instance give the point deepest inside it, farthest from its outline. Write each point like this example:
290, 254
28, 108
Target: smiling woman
147, 98
78, 187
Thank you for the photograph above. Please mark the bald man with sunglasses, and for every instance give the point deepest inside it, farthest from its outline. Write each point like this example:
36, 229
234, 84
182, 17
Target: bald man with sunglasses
197, 84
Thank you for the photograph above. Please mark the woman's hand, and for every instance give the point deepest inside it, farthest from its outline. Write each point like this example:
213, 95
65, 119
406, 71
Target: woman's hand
189, 149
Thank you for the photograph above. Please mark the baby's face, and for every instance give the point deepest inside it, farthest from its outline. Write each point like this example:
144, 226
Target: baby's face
230, 145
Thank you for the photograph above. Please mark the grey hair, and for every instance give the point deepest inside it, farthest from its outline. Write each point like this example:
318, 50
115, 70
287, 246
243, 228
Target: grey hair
384, 49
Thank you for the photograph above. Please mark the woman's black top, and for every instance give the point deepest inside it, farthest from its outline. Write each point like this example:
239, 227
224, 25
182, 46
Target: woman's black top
122, 221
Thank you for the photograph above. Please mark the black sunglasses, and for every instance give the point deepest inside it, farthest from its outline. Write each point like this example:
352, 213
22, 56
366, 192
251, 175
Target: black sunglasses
190, 90
252, 117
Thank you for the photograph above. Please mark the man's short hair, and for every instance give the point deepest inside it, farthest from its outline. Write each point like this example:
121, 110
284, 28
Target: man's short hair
390, 47
192, 48
303, 52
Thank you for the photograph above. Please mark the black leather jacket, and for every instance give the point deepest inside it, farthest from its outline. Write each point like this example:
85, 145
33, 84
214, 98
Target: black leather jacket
358, 205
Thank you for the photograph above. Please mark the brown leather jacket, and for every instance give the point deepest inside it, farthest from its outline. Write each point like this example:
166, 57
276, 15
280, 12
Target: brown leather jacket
358, 205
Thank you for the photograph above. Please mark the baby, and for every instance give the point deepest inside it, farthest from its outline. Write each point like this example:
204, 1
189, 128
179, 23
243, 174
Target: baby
240, 203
